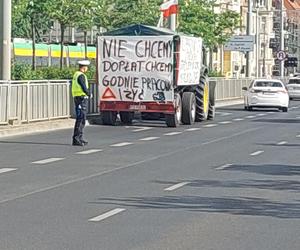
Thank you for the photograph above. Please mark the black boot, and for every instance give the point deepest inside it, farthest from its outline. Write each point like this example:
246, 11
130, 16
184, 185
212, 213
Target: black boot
77, 143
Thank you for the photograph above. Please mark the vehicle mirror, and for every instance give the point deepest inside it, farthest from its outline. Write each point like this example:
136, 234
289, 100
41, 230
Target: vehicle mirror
244, 88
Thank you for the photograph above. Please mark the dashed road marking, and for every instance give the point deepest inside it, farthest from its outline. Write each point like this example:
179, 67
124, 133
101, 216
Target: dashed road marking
46, 161
149, 138
261, 114
238, 119
138, 128
225, 122
91, 151
224, 166
282, 143
298, 136
107, 214
210, 125
223, 114
250, 116
192, 129
272, 112
173, 133
122, 144
176, 186
298, 117
257, 153
5, 170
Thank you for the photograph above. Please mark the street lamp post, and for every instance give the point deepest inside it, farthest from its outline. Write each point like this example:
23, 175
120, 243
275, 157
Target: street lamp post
249, 26
5, 39
281, 37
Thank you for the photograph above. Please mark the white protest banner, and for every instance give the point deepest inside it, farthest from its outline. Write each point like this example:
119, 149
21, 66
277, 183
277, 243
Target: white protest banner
190, 61
136, 68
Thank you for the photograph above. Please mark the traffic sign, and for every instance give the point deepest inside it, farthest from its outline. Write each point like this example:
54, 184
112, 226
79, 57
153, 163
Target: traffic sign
281, 55
240, 43
243, 47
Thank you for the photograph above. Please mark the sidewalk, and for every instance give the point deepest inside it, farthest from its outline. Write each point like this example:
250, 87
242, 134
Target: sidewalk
39, 127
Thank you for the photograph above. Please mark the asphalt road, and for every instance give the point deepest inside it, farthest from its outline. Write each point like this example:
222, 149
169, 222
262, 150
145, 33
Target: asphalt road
228, 184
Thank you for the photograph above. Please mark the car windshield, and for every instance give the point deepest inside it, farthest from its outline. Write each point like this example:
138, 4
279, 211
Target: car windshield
294, 81
268, 84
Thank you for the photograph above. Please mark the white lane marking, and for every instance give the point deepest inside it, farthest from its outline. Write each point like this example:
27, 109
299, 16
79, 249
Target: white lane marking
238, 119
225, 122
223, 114
149, 138
5, 170
210, 125
224, 166
261, 114
91, 151
107, 214
296, 107
297, 136
298, 117
138, 129
257, 153
192, 129
46, 161
250, 116
272, 112
282, 143
173, 133
176, 186
131, 165
122, 144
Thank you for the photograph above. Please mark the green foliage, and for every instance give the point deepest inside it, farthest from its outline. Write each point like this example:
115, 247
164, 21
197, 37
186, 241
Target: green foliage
25, 72
214, 73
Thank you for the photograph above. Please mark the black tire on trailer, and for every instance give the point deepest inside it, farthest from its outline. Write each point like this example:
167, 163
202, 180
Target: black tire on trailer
126, 117
202, 99
173, 120
109, 118
188, 108
211, 112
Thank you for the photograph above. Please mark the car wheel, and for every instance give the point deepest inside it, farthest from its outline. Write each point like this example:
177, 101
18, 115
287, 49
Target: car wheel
245, 107
250, 108
291, 98
284, 109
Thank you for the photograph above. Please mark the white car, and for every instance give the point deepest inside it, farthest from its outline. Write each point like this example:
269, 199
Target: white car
293, 87
266, 93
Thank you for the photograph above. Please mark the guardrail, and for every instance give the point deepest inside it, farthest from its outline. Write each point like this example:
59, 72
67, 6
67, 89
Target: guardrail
29, 101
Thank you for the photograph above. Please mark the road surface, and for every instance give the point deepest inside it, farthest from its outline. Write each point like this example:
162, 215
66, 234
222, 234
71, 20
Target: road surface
228, 184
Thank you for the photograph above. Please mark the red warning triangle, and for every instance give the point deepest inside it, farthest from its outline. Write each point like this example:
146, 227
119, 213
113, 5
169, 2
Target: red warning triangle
108, 94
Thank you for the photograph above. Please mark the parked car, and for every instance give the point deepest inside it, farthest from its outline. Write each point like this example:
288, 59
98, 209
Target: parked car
266, 93
293, 87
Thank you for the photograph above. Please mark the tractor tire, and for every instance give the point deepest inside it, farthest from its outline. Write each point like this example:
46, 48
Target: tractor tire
109, 118
188, 108
126, 117
211, 112
202, 99
173, 120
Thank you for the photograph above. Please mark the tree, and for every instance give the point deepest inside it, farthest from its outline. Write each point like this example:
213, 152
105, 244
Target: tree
198, 18
123, 12
63, 11
85, 18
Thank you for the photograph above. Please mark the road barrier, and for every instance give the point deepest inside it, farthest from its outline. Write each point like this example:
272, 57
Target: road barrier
29, 101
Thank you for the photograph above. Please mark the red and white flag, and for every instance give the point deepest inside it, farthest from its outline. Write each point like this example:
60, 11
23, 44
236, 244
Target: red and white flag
170, 7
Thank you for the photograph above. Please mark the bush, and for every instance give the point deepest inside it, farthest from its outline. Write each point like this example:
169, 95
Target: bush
25, 72
214, 73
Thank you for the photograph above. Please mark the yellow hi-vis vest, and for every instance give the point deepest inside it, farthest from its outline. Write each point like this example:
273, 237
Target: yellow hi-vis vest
76, 88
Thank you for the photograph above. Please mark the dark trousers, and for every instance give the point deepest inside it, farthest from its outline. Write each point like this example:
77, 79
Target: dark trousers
81, 110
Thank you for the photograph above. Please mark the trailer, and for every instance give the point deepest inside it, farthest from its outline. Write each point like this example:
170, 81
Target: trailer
156, 72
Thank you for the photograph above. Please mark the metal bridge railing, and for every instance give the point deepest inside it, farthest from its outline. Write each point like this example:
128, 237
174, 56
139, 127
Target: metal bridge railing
28, 101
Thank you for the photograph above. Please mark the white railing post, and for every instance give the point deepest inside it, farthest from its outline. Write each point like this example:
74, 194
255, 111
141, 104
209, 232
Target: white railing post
48, 99
28, 101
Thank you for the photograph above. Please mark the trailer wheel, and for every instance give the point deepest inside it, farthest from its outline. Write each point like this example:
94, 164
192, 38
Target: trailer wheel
126, 117
109, 118
173, 120
202, 99
211, 112
188, 108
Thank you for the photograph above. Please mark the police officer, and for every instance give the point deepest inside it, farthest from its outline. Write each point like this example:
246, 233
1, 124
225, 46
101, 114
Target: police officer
80, 93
